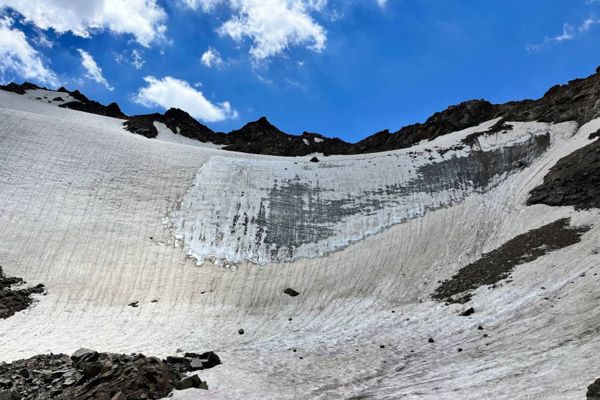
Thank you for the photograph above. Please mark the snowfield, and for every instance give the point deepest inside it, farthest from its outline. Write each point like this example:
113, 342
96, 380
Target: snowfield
103, 218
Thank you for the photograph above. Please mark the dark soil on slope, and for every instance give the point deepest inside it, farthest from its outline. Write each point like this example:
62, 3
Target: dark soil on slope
13, 299
497, 265
89, 375
573, 181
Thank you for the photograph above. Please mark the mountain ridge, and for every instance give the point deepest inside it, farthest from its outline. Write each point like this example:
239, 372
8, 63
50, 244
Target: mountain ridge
578, 100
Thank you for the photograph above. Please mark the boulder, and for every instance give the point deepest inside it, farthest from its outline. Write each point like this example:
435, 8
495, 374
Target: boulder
189, 382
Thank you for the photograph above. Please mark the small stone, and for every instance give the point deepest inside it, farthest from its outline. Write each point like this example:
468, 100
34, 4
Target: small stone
119, 396
480, 328
382, 346
241, 332
291, 292
459, 350
314, 159
134, 304
431, 340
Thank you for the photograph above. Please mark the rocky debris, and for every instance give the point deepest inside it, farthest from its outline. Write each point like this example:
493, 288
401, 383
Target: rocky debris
194, 362
14, 299
593, 391
496, 265
291, 292
89, 375
573, 181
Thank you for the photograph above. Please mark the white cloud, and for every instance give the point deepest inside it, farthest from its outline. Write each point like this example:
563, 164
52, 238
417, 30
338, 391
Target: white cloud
18, 57
271, 25
382, 3
136, 59
569, 32
94, 72
171, 92
211, 58
144, 19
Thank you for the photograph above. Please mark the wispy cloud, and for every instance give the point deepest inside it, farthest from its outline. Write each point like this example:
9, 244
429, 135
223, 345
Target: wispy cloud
211, 58
94, 72
569, 32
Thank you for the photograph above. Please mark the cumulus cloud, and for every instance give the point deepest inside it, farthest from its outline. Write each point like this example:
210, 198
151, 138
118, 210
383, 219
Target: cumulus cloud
170, 92
271, 25
144, 19
18, 57
94, 72
211, 58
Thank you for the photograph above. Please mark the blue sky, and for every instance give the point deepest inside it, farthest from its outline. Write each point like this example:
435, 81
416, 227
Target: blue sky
341, 68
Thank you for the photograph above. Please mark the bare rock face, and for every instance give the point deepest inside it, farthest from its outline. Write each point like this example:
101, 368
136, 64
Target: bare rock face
14, 299
93, 107
573, 181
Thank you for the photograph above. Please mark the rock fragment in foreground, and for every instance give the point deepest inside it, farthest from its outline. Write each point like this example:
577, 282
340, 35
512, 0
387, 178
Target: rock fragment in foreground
13, 300
88, 374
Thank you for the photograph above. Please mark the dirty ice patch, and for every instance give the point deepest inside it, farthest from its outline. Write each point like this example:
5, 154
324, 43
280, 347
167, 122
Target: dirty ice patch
271, 210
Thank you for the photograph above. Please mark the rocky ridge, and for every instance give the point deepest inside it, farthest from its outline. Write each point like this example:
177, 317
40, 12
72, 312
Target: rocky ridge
578, 100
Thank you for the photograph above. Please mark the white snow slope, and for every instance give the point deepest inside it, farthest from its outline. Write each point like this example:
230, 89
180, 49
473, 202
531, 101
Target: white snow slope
103, 217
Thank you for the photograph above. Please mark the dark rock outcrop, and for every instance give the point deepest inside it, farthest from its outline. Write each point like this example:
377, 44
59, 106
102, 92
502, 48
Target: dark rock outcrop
593, 391
19, 89
14, 299
93, 107
88, 375
573, 181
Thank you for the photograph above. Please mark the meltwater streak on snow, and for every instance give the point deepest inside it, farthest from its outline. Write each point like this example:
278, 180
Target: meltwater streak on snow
269, 210
83, 202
